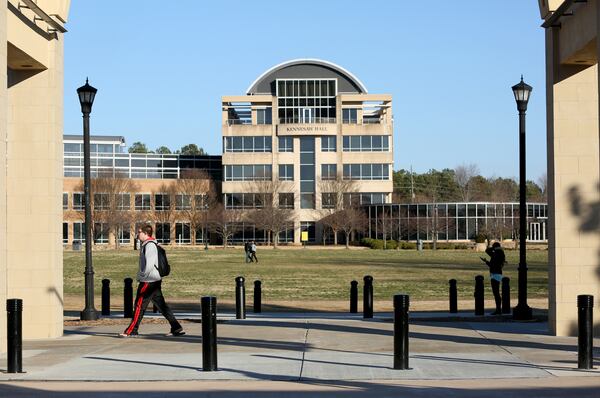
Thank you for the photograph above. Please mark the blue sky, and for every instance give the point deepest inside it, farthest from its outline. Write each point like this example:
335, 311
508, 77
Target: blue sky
161, 68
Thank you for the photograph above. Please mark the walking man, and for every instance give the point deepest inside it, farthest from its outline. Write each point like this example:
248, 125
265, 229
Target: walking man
149, 287
253, 252
496, 263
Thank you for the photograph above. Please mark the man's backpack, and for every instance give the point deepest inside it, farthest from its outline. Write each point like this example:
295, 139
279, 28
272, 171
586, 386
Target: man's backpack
163, 267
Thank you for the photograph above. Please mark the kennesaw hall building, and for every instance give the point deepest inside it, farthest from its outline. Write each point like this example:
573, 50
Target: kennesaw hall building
301, 123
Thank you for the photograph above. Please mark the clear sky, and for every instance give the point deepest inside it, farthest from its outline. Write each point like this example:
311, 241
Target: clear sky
161, 68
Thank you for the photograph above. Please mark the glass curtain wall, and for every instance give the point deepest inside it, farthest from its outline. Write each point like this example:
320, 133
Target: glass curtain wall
306, 100
454, 221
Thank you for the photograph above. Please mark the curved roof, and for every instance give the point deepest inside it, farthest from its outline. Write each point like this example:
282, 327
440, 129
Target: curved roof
343, 73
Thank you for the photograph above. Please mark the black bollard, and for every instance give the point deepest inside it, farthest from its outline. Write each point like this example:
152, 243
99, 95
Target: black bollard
453, 297
257, 297
479, 307
240, 298
209, 333
14, 336
353, 297
506, 295
128, 298
106, 297
585, 336
368, 297
401, 302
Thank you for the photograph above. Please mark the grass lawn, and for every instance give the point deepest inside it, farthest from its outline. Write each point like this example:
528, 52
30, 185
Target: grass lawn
309, 274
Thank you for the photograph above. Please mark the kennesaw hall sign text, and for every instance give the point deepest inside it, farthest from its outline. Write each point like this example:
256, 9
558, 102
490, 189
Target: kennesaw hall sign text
320, 129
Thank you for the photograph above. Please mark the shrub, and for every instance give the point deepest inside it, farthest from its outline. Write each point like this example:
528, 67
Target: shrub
480, 238
378, 244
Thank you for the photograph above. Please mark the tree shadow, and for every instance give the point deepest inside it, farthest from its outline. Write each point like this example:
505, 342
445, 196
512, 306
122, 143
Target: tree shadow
588, 215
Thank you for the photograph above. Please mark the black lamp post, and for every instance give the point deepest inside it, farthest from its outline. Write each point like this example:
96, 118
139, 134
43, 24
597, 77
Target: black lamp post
522, 311
205, 226
86, 98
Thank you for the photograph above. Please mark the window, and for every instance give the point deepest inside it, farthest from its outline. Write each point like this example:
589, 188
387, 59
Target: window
65, 200
328, 200
286, 200
286, 144
183, 202
287, 235
244, 200
349, 115
163, 232
101, 201
182, 233
286, 172
247, 144
307, 172
65, 239
263, 116
124, 234
328, 143
73, 148
367, 171
366, 143
328, 171
123, 201
162, 201
79, 231
250, 172
100, 233
78, 201
142, 202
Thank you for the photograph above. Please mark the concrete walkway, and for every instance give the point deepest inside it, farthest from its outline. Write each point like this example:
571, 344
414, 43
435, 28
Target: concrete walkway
327, 354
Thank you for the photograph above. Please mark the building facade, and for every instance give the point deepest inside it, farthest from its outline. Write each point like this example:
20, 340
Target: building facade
303, 123
31, 119
573, 144
135, 188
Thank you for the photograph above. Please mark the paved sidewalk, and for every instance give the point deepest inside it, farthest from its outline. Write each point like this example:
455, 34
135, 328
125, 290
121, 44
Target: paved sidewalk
308, 349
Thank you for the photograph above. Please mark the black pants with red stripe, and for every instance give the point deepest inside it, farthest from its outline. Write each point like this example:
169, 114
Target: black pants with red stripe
150, 291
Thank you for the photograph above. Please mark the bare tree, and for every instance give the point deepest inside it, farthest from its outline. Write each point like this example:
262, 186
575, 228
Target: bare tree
164, 206
352, 219
385, 225
543, 183
462, 176
271, 215
198, 197
337, 195
110, 207
225, 222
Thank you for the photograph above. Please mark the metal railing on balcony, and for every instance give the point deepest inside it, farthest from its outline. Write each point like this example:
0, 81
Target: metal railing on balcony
307, 120
363, 121
231, 122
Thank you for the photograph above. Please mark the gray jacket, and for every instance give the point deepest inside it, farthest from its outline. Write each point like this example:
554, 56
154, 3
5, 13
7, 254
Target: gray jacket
148, 271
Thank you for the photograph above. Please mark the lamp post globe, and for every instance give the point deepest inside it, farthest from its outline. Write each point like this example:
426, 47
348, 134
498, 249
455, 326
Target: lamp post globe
522, 311
86, 94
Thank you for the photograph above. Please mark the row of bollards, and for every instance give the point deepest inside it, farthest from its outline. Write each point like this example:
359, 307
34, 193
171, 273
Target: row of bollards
479, 296
240, 298
367, 297
585, 304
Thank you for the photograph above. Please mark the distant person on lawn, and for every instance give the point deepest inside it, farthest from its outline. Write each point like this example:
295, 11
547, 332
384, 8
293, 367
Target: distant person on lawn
149, 287
253, 251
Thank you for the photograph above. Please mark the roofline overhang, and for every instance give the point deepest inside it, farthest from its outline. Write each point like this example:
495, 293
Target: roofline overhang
316, 61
